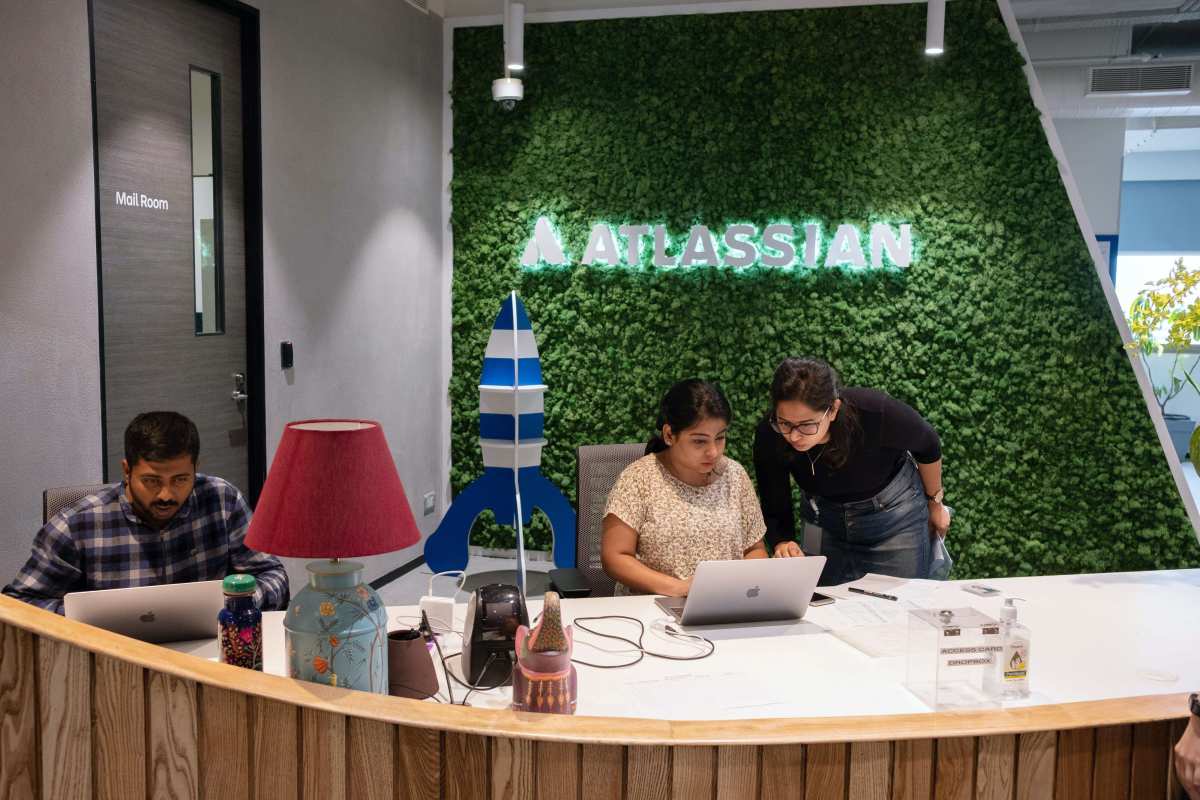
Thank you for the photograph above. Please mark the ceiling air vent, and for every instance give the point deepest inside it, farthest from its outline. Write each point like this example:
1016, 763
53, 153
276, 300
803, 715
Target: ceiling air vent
419, 5
1156, 79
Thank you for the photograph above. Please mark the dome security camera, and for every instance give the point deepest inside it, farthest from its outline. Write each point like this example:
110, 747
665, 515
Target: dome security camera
507, 91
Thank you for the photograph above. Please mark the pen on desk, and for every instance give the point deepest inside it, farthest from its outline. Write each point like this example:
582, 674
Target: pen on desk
856, 590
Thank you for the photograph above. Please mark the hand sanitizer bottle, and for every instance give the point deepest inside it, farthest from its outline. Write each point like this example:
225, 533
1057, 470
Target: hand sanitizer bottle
1009, 677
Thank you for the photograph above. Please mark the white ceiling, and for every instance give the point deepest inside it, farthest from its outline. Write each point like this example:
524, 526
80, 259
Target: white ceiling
1032, 9
1024, 9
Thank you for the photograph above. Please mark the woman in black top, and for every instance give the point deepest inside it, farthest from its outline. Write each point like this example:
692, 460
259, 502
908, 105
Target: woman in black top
870, 468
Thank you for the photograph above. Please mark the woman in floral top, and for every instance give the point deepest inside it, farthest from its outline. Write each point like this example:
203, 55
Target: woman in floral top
683, 502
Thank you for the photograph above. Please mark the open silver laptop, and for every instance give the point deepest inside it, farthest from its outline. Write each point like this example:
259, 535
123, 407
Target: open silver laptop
749, 590
173, 612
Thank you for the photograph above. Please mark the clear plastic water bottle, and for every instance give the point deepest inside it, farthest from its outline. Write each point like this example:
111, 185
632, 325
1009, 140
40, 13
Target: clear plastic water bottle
239, 624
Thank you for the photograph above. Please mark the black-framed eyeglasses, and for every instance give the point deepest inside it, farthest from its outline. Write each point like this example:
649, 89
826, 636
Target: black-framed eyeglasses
785, 428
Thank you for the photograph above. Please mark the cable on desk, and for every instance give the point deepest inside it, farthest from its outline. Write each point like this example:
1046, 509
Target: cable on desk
639, 645
442, 658
473, 687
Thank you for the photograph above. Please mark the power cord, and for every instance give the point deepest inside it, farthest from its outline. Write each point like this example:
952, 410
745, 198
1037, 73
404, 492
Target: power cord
428, 632
473, 687
639, 644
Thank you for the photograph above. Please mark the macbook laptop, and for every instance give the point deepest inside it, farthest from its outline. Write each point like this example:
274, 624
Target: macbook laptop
173, 612
749, 590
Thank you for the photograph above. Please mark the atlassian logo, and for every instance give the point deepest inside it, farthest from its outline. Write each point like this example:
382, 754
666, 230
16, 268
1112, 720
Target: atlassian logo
740, 245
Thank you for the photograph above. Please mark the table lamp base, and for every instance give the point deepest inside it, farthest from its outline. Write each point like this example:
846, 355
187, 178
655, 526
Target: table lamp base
336, 630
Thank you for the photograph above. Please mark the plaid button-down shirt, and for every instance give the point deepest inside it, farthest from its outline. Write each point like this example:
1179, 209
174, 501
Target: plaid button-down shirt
101, 543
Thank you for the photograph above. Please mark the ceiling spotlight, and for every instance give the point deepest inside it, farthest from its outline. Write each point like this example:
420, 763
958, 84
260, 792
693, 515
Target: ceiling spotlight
514, 36
935, 28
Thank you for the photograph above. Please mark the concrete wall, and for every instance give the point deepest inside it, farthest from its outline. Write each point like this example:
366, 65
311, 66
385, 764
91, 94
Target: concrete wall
352, 159
49, 330
1160, 217
1095, 149
1172, 165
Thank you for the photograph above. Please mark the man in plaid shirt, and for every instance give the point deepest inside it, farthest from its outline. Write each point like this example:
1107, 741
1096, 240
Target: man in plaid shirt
165, 523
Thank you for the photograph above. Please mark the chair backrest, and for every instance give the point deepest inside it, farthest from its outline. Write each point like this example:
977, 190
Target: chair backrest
596, 469
55, 500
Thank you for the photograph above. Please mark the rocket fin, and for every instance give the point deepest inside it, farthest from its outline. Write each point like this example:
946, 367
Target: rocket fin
538, 491
446, 547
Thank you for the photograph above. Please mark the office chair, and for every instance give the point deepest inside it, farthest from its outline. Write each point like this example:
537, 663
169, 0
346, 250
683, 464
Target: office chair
596, 469
57, 499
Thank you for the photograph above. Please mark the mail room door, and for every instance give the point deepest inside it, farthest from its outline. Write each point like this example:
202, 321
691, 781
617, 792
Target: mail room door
172, 216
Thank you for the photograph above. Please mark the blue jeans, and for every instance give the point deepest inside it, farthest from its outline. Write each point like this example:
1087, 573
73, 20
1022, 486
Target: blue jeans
887, 534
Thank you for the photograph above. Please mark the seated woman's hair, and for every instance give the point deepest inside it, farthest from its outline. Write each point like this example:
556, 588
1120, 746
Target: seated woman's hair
685, 404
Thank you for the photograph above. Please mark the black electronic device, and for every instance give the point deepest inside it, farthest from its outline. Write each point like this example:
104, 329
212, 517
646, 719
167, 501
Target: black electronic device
489, 638
819, 599
286, 360
570, 582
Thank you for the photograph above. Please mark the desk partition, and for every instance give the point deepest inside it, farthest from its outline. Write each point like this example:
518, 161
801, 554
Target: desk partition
87, 713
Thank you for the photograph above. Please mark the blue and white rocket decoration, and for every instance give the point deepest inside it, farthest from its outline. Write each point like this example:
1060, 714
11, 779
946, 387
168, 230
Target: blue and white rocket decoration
511, 406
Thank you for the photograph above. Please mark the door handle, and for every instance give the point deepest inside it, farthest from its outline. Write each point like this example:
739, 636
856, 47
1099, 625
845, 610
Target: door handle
239, 388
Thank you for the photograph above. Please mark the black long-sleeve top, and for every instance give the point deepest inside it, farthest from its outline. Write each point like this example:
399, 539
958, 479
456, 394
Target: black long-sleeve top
889, 429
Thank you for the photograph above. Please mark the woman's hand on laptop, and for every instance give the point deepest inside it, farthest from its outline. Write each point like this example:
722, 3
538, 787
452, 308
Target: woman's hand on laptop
788, 549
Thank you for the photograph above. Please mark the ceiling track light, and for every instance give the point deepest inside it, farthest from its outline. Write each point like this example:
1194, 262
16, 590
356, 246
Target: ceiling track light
935, 28
514, 36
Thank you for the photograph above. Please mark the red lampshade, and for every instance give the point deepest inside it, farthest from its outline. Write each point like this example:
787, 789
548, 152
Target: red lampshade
332, 492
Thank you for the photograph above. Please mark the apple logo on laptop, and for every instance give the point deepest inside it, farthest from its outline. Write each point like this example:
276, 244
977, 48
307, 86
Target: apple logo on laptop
752, 591
147, 617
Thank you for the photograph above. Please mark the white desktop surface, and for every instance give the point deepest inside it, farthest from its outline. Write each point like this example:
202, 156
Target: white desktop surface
1094, 637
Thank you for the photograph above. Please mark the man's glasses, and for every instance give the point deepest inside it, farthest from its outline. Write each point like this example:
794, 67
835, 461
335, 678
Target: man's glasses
785, 428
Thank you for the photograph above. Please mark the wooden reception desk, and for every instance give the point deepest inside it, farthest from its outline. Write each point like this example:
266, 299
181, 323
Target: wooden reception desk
86, 713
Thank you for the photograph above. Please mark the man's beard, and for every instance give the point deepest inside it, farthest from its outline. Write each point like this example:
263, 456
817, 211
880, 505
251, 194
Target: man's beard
150, 513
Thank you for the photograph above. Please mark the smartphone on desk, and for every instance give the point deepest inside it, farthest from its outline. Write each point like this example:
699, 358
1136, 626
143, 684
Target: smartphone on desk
819, 599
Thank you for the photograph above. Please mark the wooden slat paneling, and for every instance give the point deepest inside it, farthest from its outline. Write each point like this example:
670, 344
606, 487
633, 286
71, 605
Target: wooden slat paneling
65, 715
1114, 760
512, 769
825, 771
782, 771
602, 772
224, 744
119, 732
418, 763
1149, 761
737, 772
1073, 768
275, 765
323, 755
954, 768
648, 773
913, 773
557, 770
1073, 772
174, 737
371, 768
996, 768
1036, 756
466, 766
18, 714
1174, 790
871, 770
693, 773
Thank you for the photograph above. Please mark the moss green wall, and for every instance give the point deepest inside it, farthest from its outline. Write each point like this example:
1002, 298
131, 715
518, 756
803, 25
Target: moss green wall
999, 333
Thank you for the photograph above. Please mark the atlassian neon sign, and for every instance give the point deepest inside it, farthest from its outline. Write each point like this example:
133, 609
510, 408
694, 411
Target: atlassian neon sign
742, 245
